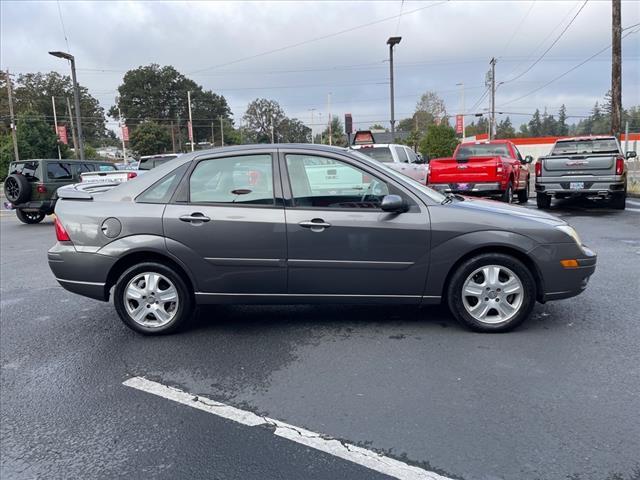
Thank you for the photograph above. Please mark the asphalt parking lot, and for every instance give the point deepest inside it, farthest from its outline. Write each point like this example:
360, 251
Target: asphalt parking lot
556, 399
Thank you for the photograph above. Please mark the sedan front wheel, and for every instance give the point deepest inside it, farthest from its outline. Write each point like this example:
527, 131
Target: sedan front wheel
492, 292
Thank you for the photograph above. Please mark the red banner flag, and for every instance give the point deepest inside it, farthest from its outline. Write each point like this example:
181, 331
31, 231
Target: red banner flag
459, 120
190, 128
62, 134
125, 133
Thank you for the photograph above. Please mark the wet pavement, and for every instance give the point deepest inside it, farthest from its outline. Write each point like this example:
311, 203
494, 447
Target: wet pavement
556, 399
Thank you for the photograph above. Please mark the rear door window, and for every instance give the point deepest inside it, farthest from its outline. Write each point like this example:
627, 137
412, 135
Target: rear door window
84, 167
402, 155
381, 154
59, 171
413, 158
145, 164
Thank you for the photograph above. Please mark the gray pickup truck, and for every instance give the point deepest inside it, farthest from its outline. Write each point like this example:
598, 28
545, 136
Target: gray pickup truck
592, 167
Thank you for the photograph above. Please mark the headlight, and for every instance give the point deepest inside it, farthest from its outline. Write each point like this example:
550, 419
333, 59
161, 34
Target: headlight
571, 232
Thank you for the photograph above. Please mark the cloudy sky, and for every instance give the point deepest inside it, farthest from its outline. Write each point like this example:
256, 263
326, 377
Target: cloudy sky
298, 52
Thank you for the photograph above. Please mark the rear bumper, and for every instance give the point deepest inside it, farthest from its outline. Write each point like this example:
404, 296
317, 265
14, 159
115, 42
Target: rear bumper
591, 186
81, 273
559, 282
40, 206
467, 188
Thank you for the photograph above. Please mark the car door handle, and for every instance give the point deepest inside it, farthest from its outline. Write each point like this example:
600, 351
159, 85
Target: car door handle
316, 225
195, 218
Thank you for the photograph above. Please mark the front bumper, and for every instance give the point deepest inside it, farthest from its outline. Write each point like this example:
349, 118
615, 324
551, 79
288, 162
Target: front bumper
467, 188
559, 282
81, 273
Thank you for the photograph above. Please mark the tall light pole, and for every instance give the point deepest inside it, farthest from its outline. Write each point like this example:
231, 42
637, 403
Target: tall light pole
76, 97
190, 126
391, 42
461, 85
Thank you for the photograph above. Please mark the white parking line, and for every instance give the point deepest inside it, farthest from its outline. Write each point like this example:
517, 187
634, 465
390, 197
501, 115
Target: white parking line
346, 451
632, 209
633, 202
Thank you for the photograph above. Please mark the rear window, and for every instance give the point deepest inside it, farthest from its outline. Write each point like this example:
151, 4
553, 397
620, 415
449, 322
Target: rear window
59, 171
604, 145
483, 150
381, 154
85, 167
28, 169
106, 167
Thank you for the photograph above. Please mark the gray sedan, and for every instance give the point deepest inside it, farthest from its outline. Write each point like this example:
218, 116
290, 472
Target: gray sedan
288, 224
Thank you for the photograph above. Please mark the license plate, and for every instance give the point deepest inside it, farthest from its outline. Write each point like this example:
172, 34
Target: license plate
576, 185
463, 186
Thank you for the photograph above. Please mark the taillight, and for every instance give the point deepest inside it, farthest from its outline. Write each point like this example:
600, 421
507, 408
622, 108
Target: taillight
131, 175
41, 188
619, 165
538, 168
61, 233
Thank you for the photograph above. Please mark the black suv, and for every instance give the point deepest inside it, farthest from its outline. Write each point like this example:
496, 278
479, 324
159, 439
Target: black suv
31, 185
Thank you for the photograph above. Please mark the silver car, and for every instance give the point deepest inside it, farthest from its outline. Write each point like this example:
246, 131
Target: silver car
269, 224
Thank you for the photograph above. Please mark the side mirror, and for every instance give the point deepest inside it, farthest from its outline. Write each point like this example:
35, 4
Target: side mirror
393, 203
528, 159
631, 154
419, 161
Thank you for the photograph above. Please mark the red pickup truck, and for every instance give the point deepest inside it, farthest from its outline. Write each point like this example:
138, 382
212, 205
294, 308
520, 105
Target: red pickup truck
489, 168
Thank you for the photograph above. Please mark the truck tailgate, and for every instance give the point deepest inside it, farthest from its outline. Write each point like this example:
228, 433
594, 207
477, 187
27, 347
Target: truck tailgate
571, 165
474, 169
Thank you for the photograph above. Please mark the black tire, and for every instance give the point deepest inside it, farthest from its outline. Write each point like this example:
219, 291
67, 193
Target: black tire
185, 303
507, 196
543, 201
523, 195
17, 188
619, 201
30, 218
455, 289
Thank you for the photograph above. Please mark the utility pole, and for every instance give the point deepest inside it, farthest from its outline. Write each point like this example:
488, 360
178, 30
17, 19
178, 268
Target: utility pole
492, 126
55, 124
312, 110
330, 117
391, 42
76, 150
461, 85
616, 69
173, 138
192, 140
124, 148
272, 141
13, 121
221, 133
213, 137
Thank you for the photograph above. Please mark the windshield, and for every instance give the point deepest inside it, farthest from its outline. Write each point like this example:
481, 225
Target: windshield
604, 145
381, 154
483, 150
431, 193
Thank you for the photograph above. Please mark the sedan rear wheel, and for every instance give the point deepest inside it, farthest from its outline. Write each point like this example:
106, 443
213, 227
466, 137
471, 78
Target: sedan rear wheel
492, 293
151, 298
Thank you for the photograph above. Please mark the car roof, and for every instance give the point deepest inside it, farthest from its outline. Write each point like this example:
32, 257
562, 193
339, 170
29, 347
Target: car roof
65, 160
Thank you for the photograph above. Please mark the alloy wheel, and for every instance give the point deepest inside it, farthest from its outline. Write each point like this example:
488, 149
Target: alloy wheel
492, 294
151, 300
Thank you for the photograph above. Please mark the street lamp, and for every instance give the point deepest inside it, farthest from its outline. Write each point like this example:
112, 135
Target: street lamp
76, 97
391, 42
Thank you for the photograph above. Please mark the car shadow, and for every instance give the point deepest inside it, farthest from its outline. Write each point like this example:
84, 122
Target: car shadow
583, 206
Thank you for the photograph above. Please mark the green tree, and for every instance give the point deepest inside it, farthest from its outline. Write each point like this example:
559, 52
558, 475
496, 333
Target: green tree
430, 109
36, 139
337, 133
261, 117
159, 94
505, 129
440, 141
149, 138
563, 128
294, 131
549, 124
482, 127
377, 126
535, 124
33, 92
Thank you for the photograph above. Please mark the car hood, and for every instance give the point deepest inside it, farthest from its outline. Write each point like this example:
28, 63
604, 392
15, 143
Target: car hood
500, 208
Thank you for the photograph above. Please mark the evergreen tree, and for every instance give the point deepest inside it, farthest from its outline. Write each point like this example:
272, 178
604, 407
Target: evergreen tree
549, 124
535, 124
505, 129
562, 127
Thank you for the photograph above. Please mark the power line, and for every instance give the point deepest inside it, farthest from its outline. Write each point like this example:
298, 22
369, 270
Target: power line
311, 40
550, 46
568, 71
64, 30
517, 29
